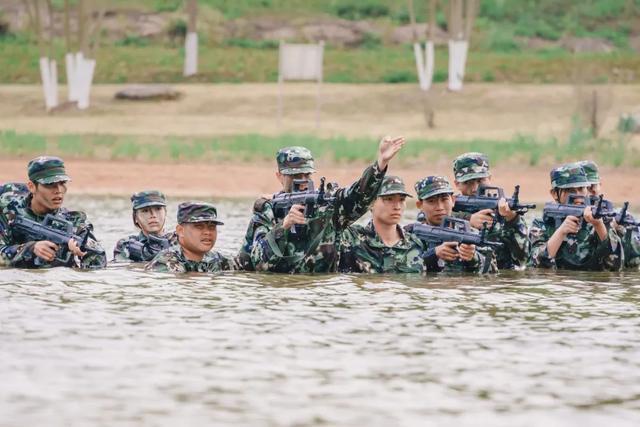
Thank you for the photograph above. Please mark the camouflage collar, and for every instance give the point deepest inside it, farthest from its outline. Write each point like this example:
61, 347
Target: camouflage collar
377, 242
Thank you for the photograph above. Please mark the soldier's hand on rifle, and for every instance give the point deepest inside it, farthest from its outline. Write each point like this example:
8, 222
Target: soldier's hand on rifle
387, 150
570, 225
46, 250
478, 219
447, 251
295, 216
466, 251
598, 223
75, 249
505, 211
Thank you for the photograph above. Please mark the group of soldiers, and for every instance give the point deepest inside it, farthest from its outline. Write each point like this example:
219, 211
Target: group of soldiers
318, 232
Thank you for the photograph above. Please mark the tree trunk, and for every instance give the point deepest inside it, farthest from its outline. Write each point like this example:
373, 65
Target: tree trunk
191, 40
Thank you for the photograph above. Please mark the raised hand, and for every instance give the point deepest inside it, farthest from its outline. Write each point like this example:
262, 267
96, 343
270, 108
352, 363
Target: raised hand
387, 150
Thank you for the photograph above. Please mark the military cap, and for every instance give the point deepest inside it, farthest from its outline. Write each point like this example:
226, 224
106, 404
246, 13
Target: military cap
392, 185
190, 212
591, 170
47, 170
432, 186
144, 199
569, 175
295, 160
469, 166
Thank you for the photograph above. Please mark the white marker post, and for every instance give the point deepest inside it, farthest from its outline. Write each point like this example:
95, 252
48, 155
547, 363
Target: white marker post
302, 62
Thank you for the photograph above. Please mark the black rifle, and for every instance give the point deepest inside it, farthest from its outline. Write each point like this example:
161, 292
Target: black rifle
625, 219
453, 230
139, 251
557, 212
53, 229
311, 199
487, 197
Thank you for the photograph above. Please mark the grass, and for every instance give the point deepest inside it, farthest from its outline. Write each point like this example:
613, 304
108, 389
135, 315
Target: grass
519, 150
243, 61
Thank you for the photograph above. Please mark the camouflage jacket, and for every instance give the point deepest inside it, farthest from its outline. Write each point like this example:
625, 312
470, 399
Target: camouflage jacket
260, 224
581, 251
630, 237
317, 247
172, 260
483, 261
362, 251
123, 249
15, 251
514, 237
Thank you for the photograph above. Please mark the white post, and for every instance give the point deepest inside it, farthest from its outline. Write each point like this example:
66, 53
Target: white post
53, 82
49, 76
72, 72
85, 79
457, 61
430, 63
417, 52
191, 54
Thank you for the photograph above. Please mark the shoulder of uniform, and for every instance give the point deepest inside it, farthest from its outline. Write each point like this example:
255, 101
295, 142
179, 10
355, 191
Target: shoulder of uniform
261, 202
76, 216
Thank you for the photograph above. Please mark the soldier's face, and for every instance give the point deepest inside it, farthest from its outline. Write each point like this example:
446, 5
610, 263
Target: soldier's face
197, 238
563, 195
595, 190
48, 196
151, 219
436, 208
389, 209
470, 188
287, 181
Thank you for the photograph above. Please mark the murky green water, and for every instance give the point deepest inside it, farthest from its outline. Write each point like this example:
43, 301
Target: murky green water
124, 347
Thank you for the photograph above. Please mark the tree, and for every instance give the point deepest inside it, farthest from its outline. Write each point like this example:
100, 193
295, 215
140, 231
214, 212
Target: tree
461, 16
191, 40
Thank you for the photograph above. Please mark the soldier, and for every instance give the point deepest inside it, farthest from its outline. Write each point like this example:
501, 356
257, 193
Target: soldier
382, 246
196, 234
574, 245
630, 233
435, 202
18, 188
278, 248
471, 170
149, 214
47, 188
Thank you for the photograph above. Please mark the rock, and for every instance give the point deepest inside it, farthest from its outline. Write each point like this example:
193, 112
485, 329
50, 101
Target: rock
148, 92
404, 34
587, 45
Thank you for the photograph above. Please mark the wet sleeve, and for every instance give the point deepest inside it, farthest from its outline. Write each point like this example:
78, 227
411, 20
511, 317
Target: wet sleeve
269, 252
462, 215
513, 235
165, 262
96, 256
121, 251
484, 261
610, 250
539, 256
353, 202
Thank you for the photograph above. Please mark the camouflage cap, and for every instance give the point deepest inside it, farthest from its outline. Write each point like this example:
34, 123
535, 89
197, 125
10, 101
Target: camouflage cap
469, 166
144, 199
432, 186
591, 170
47, 170
392, 185
294, 160
190, 212
570, 175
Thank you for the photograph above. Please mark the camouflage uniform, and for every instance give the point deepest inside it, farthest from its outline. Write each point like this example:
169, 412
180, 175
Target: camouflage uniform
581, 251
512, 234
15, 251
124, 249
290, 161
363, 251
173, 259
629, 234
483, 260
17, 188
315, 250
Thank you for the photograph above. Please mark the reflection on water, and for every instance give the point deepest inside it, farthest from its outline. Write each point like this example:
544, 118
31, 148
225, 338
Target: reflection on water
125, 347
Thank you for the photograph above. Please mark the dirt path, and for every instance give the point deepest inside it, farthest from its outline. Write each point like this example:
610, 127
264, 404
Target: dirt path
248, 181
490, 111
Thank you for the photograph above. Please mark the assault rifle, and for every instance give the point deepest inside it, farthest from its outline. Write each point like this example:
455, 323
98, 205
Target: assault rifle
56, 230
487, 197
308, 197
453, 230
557, 212
139, 251
624, 219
